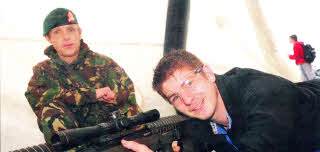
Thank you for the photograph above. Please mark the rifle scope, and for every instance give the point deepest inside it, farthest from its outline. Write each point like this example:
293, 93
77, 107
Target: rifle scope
67, 139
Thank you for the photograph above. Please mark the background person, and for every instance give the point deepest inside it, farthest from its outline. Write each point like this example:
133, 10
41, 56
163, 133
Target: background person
307, 72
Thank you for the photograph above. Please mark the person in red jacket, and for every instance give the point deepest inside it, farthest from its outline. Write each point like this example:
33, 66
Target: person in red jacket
298, 55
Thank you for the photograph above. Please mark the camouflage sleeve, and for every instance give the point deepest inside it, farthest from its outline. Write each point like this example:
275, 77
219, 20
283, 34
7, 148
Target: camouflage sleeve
122, 86
55, 117
44, 97
43, 90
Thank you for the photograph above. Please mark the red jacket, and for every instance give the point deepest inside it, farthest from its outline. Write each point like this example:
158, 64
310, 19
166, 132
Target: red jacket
298, 53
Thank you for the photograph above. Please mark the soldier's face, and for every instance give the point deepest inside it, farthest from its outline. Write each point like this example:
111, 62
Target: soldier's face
66, 40
192, 94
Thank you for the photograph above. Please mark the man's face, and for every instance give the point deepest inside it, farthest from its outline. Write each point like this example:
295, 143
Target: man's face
291, 40
192, 94
66, 40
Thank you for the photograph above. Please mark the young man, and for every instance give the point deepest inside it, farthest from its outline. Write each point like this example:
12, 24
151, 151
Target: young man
76, 87
298, 55
253, 111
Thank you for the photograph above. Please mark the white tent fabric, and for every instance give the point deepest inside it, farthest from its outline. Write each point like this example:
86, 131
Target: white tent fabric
224, 34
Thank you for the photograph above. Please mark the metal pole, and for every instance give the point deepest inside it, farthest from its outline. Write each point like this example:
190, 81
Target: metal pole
177, 25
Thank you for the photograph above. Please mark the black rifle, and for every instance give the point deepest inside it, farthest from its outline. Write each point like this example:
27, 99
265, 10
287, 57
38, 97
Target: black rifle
157, 134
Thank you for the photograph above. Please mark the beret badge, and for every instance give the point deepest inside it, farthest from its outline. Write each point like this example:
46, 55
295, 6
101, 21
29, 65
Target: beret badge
70, 17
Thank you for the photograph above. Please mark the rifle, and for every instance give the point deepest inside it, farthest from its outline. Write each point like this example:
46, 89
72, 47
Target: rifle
156, 133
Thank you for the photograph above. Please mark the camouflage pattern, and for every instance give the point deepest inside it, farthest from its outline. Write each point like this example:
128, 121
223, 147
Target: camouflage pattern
63, 95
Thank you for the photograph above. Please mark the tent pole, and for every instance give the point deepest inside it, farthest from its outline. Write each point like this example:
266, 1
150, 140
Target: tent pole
177, 25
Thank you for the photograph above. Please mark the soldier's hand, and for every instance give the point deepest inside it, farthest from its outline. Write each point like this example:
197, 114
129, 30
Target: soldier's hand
105, 94
134, 146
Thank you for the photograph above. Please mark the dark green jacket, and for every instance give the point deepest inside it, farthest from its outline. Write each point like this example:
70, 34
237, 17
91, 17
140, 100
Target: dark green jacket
269, 114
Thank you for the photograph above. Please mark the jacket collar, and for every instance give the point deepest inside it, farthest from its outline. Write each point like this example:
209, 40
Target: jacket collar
228, 85
222, 82
57, 61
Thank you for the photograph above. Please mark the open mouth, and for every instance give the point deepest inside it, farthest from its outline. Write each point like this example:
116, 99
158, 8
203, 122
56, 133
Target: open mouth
199, 106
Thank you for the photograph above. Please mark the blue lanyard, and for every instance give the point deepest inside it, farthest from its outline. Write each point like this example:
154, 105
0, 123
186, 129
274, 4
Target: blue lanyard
229, 140
217, 129
220, 130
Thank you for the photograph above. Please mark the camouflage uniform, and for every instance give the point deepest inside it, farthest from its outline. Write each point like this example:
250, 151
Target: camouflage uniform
63, 95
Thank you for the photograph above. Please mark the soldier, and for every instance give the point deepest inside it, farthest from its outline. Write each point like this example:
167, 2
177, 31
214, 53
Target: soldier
76, 87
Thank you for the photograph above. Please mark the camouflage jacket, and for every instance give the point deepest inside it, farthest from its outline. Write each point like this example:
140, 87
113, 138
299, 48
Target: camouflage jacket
63, 95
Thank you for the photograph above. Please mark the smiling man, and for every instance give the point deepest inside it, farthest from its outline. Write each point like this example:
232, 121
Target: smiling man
76, 87
245, 109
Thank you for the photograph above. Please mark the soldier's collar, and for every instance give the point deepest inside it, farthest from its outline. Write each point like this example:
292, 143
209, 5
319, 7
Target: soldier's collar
52, 54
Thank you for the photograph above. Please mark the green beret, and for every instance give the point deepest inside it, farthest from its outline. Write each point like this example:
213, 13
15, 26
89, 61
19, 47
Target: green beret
58, 17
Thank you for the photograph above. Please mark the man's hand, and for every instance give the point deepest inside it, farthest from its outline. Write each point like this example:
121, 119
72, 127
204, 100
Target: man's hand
175, 146
134, 146
105, 94
291, 56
